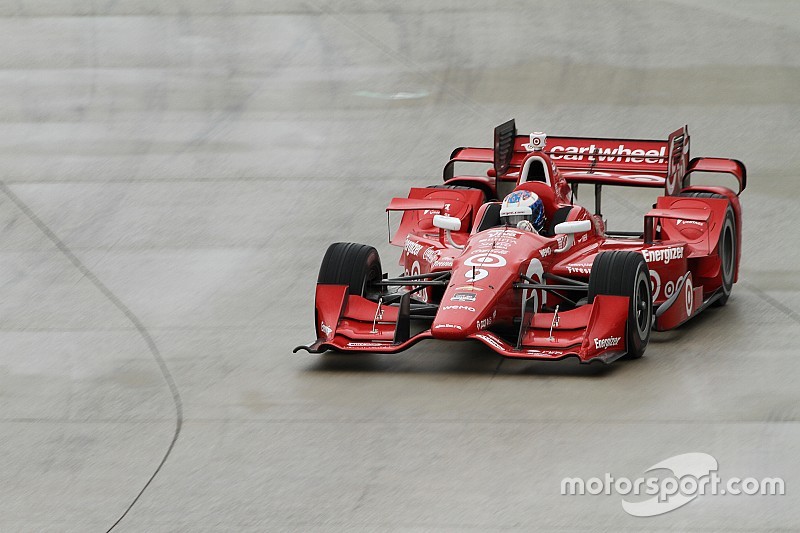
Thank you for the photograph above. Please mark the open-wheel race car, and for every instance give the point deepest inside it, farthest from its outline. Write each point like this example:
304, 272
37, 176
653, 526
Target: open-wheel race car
476, 267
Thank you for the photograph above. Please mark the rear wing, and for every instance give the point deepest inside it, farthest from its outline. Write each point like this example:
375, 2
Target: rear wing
636, 162
617, 155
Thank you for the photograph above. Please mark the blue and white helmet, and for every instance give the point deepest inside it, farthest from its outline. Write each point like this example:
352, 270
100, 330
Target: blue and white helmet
522, 206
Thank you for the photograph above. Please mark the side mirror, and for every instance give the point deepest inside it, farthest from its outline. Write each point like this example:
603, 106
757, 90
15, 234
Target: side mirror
573, 227
570, 229
446, 222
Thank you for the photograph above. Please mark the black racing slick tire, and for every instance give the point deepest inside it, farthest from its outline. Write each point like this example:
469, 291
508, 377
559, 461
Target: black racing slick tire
727, 247
356, 265
624, 273
727, 257
486, 192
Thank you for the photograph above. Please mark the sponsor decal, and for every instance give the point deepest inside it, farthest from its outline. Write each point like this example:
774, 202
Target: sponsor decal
643, 178
677, 163
483, 324
430, 255
415, 271
506, 232
498, 250
458, 308
463, 297
497, 241
364, 345
618, 154
689, 297
544, 352
655, 284
490, 341
579, 268
486, 322
478, 264
485, 260
604, 344
544, 252
538, 140
325, 328
493, 245
447, 326
436, 211
692, 222
412, 247
468, 288
670, 286
665, 254
535, 272
444, 262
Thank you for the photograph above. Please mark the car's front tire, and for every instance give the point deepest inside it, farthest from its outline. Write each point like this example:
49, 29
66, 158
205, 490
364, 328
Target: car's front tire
356, 265
625, 273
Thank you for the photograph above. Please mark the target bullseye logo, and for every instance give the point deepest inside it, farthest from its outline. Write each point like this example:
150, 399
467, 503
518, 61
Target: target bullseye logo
689, 296
655, 283
537, 142
479, 263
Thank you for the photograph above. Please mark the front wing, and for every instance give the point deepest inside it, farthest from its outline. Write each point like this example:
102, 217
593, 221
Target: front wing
352, 324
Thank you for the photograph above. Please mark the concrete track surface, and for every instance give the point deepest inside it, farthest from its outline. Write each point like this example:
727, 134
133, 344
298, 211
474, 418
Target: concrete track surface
172, 173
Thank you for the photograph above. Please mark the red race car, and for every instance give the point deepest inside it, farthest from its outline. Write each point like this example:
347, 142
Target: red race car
536, 276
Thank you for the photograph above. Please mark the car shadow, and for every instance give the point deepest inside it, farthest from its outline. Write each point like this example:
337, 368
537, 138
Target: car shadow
701, 322
440, 357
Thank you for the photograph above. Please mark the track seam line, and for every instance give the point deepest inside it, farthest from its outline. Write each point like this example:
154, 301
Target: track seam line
786, 310
114, 299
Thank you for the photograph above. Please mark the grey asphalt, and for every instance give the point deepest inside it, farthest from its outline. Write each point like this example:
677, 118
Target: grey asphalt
172, 173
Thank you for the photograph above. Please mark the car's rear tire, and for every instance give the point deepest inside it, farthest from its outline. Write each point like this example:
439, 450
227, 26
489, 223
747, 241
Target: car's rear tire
485, 191
727, 247
727, 257
356, 265
625, 273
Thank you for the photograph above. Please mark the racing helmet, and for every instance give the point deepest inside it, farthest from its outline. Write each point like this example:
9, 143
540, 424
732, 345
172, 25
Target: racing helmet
523, 206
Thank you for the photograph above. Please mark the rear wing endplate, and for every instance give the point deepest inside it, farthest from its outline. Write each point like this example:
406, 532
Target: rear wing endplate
677, 161
719, 165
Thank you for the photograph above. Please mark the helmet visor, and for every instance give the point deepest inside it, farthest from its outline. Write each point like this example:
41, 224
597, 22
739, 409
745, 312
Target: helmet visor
513, 220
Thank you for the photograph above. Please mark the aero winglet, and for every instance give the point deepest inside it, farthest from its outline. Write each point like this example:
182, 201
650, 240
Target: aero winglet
402, 330
504, 138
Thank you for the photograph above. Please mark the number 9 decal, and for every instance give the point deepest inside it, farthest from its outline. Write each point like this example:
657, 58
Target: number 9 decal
480, 262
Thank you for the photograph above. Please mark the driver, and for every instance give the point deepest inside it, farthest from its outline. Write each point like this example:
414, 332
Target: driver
523, 209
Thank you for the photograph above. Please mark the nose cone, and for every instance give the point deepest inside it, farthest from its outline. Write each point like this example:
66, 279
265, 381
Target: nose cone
490, 263
450, 329
457, 314
462, 313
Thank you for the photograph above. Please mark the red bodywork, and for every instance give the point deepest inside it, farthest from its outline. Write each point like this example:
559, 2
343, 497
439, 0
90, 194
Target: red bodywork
481, 299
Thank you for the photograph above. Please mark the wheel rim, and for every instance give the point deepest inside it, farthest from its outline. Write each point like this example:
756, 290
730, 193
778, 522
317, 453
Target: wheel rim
641, 301
368, 290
